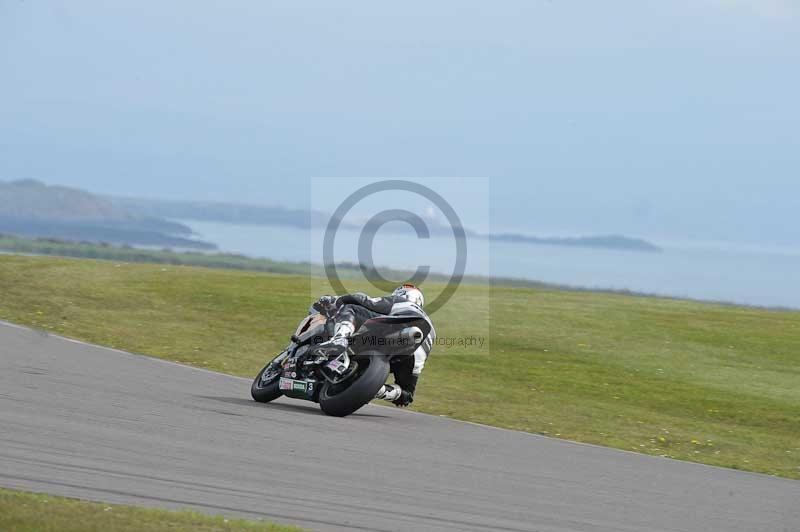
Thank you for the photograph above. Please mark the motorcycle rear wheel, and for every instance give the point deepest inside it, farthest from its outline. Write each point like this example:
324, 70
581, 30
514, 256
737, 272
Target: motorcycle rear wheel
339, 401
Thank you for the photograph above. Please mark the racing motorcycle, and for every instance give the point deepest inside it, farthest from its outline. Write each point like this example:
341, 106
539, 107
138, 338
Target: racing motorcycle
341, 381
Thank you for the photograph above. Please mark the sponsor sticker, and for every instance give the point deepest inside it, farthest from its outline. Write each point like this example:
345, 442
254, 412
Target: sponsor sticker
292, 385
338, 366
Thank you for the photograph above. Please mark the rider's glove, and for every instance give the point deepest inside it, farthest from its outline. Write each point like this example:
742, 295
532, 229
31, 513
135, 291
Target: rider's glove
325, 304
404, 400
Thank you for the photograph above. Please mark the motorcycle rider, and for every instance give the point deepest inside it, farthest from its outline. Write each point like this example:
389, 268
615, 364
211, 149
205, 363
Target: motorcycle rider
352, 310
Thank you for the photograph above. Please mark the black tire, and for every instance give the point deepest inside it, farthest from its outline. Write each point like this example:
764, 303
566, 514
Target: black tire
264, 393
372, 372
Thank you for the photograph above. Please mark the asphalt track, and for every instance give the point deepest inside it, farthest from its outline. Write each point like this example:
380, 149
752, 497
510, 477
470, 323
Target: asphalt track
95, 423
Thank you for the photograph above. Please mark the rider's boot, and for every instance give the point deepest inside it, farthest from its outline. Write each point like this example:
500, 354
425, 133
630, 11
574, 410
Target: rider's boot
344, 330
389, 392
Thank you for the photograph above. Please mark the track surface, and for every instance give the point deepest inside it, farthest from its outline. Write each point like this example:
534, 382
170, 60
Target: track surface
94, 423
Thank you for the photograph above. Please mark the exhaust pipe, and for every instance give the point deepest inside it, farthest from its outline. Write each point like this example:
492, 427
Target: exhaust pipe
410, 335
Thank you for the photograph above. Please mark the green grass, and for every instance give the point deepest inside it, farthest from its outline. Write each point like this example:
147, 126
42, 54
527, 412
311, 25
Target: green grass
30, 512
706, 383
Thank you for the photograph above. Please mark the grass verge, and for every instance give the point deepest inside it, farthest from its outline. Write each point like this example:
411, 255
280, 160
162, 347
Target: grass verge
32, 512
706, 383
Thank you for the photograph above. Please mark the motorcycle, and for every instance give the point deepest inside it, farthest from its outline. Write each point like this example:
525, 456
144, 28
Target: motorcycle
341, 381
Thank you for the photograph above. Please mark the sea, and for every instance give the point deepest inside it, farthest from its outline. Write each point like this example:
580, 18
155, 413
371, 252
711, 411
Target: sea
767, 276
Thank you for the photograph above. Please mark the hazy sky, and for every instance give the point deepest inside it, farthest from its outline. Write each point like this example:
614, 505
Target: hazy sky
675, 119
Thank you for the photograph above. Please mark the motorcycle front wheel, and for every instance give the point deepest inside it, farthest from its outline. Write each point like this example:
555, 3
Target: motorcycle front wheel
265, 387
342, 399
